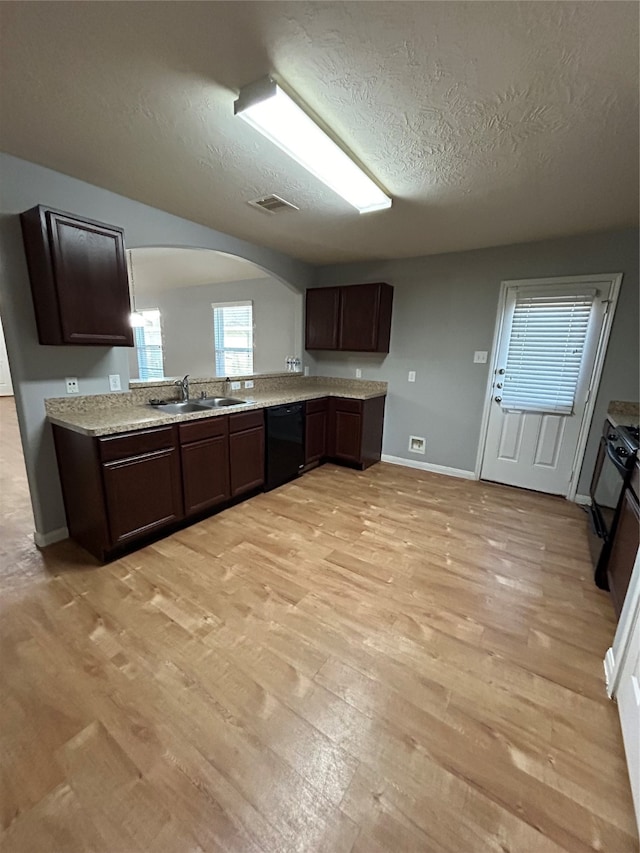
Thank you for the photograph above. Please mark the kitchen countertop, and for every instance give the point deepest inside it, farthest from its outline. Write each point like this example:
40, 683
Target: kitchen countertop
120, 417
623, 413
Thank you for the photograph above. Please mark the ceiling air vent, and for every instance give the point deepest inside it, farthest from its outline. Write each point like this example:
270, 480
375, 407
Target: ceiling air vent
272, 204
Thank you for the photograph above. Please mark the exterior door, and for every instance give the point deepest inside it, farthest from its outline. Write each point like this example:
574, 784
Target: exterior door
6, 388
547, 345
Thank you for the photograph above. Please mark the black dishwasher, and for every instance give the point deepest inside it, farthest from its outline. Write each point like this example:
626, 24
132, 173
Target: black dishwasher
285, 444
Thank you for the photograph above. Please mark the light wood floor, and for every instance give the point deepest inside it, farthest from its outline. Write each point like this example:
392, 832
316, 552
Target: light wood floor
379, 661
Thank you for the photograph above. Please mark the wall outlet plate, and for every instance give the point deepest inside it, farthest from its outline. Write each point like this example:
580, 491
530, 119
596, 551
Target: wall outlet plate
72, 385
114, 382
236, 386
306, 371
358, 373
417, 444
480, 357
248, 383
412, 376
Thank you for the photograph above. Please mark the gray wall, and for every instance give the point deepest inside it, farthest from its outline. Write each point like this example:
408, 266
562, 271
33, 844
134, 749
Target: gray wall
187, 324
445, 308
38, 371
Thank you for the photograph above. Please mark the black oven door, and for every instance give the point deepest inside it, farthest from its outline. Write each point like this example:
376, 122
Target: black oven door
606, 490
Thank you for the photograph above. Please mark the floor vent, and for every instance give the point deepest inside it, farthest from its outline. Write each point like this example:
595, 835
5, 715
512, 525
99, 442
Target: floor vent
272, 204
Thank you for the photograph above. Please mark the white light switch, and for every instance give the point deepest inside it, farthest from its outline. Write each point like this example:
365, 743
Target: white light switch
358, 373
114, 382
480, 357
412, 376
72, 385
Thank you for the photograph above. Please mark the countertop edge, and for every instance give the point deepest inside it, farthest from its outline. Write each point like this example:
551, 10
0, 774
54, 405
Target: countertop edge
156, 418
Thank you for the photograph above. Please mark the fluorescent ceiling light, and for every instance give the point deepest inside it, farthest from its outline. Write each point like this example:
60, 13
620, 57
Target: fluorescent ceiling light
266, 107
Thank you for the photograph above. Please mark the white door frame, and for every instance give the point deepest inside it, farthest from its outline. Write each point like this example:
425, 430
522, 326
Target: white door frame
614, 281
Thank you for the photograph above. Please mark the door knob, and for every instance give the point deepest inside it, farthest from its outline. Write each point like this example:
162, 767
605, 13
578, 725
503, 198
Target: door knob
498, 399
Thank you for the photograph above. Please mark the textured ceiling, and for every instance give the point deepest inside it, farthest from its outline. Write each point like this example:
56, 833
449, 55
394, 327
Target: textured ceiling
489, 123
167, 269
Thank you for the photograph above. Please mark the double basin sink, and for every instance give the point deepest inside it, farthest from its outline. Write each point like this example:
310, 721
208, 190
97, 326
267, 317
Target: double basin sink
188, 406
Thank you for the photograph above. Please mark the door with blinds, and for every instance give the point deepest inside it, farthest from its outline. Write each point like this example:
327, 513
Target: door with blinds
546, 352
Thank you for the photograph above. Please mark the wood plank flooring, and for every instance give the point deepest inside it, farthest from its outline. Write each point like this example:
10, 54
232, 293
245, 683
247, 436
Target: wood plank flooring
369, 662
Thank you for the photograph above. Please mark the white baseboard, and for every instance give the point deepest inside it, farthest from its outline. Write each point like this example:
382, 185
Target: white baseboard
609, 671
428, 466
44, 539
583, 500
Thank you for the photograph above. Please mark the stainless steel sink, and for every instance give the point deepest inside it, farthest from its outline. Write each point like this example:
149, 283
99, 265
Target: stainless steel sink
179, 408
218, 402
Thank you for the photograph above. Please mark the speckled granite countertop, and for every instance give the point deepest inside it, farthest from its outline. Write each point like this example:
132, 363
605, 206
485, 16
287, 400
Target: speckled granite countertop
108, 414
623, 413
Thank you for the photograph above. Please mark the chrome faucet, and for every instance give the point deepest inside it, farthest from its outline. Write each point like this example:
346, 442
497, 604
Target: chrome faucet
183, 384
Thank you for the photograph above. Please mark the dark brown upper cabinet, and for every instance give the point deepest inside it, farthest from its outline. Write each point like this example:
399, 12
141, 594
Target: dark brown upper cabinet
354, 318
322, 317
79, 280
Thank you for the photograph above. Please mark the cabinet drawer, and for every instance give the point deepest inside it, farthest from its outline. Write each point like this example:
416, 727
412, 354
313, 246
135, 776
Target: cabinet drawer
342, 404
205, 428
313, 406
246, 420
112, 447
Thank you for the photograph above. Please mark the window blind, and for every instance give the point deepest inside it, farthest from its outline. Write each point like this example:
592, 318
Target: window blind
546, 344
148, 341
233, 338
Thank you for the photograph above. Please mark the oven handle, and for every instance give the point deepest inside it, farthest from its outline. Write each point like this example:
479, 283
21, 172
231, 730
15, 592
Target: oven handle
619, 465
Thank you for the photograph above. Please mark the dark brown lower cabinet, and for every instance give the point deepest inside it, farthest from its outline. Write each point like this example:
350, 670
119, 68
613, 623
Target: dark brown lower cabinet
355, 430
625, 547
315, 445
204, 453
246, 452
118, 489
142, 494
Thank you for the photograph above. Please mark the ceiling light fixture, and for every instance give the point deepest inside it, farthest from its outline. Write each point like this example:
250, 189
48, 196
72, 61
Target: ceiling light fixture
265, 106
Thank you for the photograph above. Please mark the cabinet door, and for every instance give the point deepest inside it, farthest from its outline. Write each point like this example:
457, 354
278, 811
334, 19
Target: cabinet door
624, 549
246, 460
345, 432
315, 436
322, 317
91, 279
205, 474
142, 494
359, 311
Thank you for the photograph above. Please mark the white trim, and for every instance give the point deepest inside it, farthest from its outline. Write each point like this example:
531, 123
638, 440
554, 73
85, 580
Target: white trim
609, 671
583, 500
428, 466
615, 280
629, 615
44, 539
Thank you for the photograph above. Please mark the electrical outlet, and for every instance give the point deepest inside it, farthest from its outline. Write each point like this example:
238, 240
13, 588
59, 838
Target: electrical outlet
248, 383
417, 444
412, 376
72, 385
480, 357
114, 382
358, 373
236, 386
306, 371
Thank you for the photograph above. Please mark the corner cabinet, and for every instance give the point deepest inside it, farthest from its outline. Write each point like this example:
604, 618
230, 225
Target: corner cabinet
353, 318
79, 282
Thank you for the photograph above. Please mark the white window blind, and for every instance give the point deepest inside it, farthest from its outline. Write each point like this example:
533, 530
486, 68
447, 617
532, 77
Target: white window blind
148, 341
233, 338
546, 345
